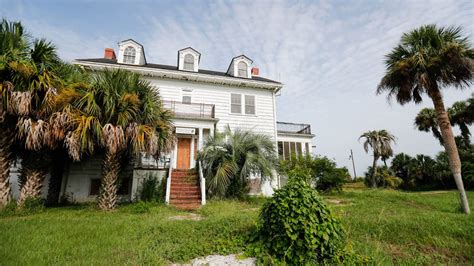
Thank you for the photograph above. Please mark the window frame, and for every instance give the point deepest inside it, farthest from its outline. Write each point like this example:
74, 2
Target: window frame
128, 57
189, 64
232, 104
246, 75
254, 106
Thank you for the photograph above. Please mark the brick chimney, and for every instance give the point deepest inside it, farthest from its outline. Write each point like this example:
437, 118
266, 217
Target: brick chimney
109, 53
255, 71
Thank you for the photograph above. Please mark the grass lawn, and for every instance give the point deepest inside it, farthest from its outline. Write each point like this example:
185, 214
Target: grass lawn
391, 226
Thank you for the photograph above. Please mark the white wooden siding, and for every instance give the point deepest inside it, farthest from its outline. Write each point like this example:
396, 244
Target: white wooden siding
262, 122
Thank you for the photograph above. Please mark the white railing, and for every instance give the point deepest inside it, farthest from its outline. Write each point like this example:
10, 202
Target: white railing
168, 181
202, 181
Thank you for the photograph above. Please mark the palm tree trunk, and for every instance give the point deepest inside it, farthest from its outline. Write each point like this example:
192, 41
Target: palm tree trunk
5, 163
33, 184
450, 146
108, 187
374, 171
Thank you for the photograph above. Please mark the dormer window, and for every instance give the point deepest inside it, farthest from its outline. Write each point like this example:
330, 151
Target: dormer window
129, 55
242, 69
188, 62
188, 59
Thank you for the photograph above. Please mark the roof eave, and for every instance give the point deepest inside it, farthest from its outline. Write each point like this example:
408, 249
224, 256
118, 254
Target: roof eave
180, 75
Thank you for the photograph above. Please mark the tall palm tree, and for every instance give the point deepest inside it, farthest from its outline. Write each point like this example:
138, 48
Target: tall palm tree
426, 60
380, 141
13, 47
231, 157
119, 113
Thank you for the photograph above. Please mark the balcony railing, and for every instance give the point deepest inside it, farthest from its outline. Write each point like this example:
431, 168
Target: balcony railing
193, 110
293, 128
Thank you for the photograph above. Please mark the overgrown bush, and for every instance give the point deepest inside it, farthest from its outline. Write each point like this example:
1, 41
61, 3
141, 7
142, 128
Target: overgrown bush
33, 204
320, 171
298, 228
142, 207
152, 190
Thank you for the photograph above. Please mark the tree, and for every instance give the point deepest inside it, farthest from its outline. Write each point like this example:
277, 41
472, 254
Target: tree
120, 114
380, 141
28, 110
426, 60
13, 47
231, 157
458, 113
426, 121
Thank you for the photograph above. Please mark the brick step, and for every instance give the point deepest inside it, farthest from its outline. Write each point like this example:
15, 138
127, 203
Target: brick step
183, 174
185, 201
187, 207
190, 184
185, 197
185, 193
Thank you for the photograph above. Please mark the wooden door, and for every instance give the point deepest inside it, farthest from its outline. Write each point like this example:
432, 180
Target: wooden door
184, 153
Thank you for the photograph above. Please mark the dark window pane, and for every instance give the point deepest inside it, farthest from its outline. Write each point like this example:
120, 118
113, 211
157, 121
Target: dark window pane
95, 187
280, 149
298, 148
286, 150
124, 187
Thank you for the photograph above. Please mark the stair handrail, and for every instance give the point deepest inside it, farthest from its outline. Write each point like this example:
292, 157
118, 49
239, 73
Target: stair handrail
168, 180
203, 185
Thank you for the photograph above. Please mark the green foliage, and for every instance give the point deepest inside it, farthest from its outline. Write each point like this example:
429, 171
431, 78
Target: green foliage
297, 227
423, 172
315, 170
32, 205
152, 190
382, 177
142, 207
230, 158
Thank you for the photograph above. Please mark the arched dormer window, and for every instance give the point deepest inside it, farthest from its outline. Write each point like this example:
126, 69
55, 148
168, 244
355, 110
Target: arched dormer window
129, 55
188, 62
242, 69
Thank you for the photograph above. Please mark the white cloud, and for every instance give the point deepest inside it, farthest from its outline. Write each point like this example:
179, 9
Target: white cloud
329, 54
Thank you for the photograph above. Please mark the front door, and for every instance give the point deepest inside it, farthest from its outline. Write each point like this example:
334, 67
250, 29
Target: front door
184, 153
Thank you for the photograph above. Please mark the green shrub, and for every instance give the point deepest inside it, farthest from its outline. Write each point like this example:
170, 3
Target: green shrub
142, 207
297, 227
8, 209
393, 182
315, 170
152, 190
33, 204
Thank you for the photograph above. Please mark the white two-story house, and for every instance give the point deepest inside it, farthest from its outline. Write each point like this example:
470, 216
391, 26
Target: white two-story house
203, 102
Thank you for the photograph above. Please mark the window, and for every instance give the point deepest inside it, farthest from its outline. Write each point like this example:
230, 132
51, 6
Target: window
187, 98
188, 62
249, 104
280, 150
308, 151
95, 187
286, 150
129, 55
236, 103
124, 186
242, 69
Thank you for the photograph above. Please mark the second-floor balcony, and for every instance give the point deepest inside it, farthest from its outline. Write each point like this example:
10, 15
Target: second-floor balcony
190, 110
293, 128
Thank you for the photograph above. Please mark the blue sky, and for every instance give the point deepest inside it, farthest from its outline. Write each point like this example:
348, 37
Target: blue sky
329, 54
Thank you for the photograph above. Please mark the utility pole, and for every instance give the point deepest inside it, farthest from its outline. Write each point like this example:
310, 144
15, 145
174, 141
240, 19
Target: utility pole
353, 164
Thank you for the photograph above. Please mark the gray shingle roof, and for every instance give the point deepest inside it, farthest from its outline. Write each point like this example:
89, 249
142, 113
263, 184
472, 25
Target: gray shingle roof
168, 67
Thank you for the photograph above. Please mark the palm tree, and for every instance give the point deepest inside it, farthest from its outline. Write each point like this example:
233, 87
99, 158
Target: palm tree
230, 158
380, 142
13, 47
121, 114
458, 114
426, 60
426, 121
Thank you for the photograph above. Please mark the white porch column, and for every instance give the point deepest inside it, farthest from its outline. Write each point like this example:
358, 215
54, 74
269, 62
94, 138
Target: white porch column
192, 163
200, 139
175, 155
